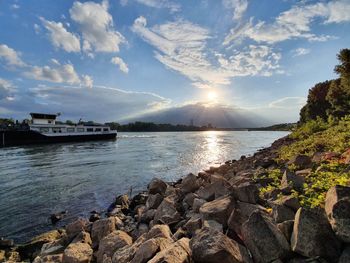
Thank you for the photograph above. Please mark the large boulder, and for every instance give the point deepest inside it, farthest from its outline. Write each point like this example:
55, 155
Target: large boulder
159, 231
193, 224
313, 236
76, 227
166, 213
112, 242
126, 254
246, 192
337, 207
219, 209
211, 246
153, 201
286, 228
157, 186
240, 214
178, 252
197, 203
57, 258
150, 248
263, 239
281, 213
77, 253
102, 228
300, 161
217, 188
189, 183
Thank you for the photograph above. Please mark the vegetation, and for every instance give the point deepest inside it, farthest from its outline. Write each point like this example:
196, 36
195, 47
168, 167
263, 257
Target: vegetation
330, 98
324, 129
277, 127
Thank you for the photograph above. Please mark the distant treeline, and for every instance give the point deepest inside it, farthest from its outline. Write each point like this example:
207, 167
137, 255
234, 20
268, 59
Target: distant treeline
153, 127
277, 127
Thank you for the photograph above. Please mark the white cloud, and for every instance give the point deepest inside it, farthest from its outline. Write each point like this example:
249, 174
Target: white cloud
295, 23
238, 6
36, 28
173, 7
6, 90
87, 81
96, 26
15, 6
288, 103
57, 74
120, 62
301, 52
10, 56
60, 37
182, 46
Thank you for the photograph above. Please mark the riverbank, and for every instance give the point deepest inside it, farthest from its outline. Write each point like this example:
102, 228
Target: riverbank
255, 209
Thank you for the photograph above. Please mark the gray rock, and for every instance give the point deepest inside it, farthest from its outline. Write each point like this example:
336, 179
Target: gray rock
112, 242
157, 186
153, 201
76, 227
300, 161
197, 203
289, 201
159, 231
211, 246
166, 213
57, 258
189, 183
246, 192
219, 210
263, 239
193, 224
286, 228
213, 224
102, 228
150, 248
178, 252
313, 236
77, 253
281, 213
293, 181
337, 207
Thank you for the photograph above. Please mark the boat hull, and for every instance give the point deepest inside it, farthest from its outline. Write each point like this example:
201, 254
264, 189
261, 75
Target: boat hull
18, 138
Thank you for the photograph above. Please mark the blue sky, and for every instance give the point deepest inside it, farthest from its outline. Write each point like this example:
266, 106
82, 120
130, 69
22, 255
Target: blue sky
120, 59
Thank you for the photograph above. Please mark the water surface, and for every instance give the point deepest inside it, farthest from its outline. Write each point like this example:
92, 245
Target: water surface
36, 181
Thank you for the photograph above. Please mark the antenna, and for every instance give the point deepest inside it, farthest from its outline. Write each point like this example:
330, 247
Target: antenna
58, 114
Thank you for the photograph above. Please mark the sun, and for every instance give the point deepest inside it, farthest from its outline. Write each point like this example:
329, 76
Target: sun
212, 95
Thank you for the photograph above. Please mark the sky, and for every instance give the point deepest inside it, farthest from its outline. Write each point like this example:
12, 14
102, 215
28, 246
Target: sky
123, 59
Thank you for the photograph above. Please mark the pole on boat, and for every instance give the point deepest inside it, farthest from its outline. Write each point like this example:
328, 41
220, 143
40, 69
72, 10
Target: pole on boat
3, 139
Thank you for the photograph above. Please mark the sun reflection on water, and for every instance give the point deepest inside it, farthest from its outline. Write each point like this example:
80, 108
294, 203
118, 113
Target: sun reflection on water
211, 147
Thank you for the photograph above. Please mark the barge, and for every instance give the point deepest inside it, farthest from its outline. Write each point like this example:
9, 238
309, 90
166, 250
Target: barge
43, 129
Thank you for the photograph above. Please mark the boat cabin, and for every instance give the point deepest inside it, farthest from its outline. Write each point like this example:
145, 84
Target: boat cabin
40, 118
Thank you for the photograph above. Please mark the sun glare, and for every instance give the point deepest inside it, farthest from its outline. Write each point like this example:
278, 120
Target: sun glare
212, 95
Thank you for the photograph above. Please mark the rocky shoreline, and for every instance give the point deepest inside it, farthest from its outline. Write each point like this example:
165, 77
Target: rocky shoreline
219, 215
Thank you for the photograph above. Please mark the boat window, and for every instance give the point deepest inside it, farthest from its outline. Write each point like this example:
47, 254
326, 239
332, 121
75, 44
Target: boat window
80, 129
44, 129
98, 129
105, 129
70, 129
56, 129
89, 129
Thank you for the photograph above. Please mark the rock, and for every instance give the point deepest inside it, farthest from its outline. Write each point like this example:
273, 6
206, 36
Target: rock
2, 256
157, 186
246, 192
213, 224
147, 216
118, 223
178, 252
180, 233
94, 217
281, 213
54, 247
6, 243
139, 231
263, 239
240, 214
219, 210
286, 228
345, 256
289, 201
76, 227
126, 254
112, 242
312, 236
304, 172
293, 181
197, 203
139, 199
58, 258
102, 228
153, 201
188, 200
13, 256
159, 231
337, 207
83, 237
193, 224
300, 161
77, 253
166, 213
189, 183
31, 249
214, 190
211, 246
149, 249
57, 217
123, 202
